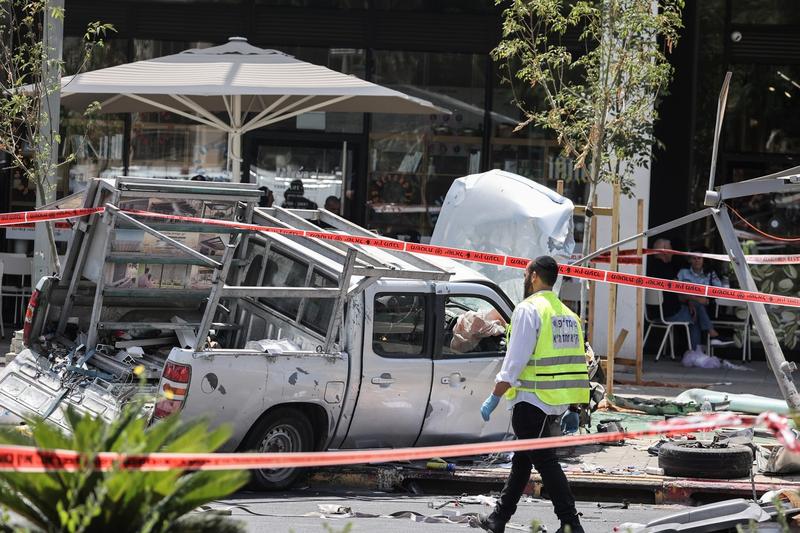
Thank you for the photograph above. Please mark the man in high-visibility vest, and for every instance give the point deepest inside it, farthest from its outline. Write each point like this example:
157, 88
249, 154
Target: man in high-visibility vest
544, 371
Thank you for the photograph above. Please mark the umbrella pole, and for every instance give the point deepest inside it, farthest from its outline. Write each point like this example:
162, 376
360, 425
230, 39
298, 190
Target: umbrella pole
235, 151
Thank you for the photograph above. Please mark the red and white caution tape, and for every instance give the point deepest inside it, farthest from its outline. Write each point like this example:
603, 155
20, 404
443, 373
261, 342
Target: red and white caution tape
23, 217
30, 459
632, 257
593, 274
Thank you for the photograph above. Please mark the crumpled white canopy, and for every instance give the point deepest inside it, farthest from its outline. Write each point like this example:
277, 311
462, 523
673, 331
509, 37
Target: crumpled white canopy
256, 87
504, 213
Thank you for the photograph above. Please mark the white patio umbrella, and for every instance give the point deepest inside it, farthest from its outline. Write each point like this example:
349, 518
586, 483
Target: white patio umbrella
254, 87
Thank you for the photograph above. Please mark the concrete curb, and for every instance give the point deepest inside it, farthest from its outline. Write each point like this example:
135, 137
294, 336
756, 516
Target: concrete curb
595, 487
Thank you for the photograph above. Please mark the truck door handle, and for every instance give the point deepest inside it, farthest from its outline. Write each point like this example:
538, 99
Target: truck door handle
453, 379
384, 380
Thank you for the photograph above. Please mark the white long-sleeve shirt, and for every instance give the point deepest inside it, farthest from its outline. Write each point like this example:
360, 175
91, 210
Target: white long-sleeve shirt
525, 325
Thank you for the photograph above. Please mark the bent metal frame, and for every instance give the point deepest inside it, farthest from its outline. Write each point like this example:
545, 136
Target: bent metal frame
786, 181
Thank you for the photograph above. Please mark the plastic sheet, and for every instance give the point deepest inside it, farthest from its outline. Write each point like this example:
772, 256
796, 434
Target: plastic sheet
500, 212
472, 326
696, 358
272, 346
742, 403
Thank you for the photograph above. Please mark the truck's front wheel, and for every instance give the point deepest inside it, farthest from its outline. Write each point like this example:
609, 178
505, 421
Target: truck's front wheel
283, 430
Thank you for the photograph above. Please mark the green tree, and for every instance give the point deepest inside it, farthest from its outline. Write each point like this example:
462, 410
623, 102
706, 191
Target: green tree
596, 69
30, 72
122, 501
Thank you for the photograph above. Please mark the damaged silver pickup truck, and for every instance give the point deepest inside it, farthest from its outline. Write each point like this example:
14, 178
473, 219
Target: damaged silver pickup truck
298, 343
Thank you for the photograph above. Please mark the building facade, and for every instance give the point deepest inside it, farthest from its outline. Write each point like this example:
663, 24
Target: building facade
388, 172
391, 172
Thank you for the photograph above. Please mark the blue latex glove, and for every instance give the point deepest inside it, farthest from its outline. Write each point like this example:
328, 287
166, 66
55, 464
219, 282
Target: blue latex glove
488, 406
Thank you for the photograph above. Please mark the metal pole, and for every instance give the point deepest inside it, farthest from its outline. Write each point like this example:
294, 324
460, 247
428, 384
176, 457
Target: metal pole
780, 366
644, 234
721, 103
611, 352
345, 181
235, 155
53, 41
169, 240
217, 284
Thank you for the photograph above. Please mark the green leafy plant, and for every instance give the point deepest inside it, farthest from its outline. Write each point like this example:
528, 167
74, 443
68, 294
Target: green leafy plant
590, 72
121, 500
781, 280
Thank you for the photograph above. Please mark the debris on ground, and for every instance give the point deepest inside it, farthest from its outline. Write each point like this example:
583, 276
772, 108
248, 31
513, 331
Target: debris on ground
777, 460
721, 516
701, 460
699, 359
742, 403
611, 425
655, 406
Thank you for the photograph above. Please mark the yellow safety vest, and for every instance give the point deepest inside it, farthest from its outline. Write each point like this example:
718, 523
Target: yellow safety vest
557, 370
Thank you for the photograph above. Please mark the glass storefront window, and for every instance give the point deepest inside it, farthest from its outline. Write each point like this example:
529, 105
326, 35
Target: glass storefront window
319, 4
303, 175
447, 6
765, 12
96, 143
162, 146
764, 110
345, 60
414, 159
165, 145
531, 152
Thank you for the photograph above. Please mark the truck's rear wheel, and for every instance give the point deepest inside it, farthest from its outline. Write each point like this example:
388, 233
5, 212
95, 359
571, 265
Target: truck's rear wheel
284, 430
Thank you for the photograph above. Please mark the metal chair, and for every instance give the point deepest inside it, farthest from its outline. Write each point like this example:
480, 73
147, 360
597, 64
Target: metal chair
733, 323
656, 299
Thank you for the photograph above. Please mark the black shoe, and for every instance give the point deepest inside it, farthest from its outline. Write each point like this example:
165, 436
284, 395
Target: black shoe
490, 523
573, 527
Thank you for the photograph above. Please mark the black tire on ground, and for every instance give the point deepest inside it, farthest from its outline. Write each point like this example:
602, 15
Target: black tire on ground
685, 459
283, 430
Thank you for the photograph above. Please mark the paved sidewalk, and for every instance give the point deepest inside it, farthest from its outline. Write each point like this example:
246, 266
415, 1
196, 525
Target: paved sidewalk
759, 380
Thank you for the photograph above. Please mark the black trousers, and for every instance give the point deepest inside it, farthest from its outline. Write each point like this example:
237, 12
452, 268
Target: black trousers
530, 422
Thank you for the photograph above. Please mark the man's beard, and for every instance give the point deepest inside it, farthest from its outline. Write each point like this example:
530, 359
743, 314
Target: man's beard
527, 290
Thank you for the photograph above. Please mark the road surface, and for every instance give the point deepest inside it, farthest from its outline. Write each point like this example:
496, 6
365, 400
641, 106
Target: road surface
298, 512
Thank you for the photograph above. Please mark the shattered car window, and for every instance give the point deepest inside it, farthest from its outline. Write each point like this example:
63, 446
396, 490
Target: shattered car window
284, 271
317, 311
472, 325
398, 328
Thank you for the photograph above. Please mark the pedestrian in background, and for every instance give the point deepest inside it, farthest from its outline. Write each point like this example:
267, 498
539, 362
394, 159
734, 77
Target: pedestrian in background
543, 372
699, 305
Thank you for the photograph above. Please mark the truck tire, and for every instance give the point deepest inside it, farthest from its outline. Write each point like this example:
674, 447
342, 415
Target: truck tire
687, 459
283, 430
